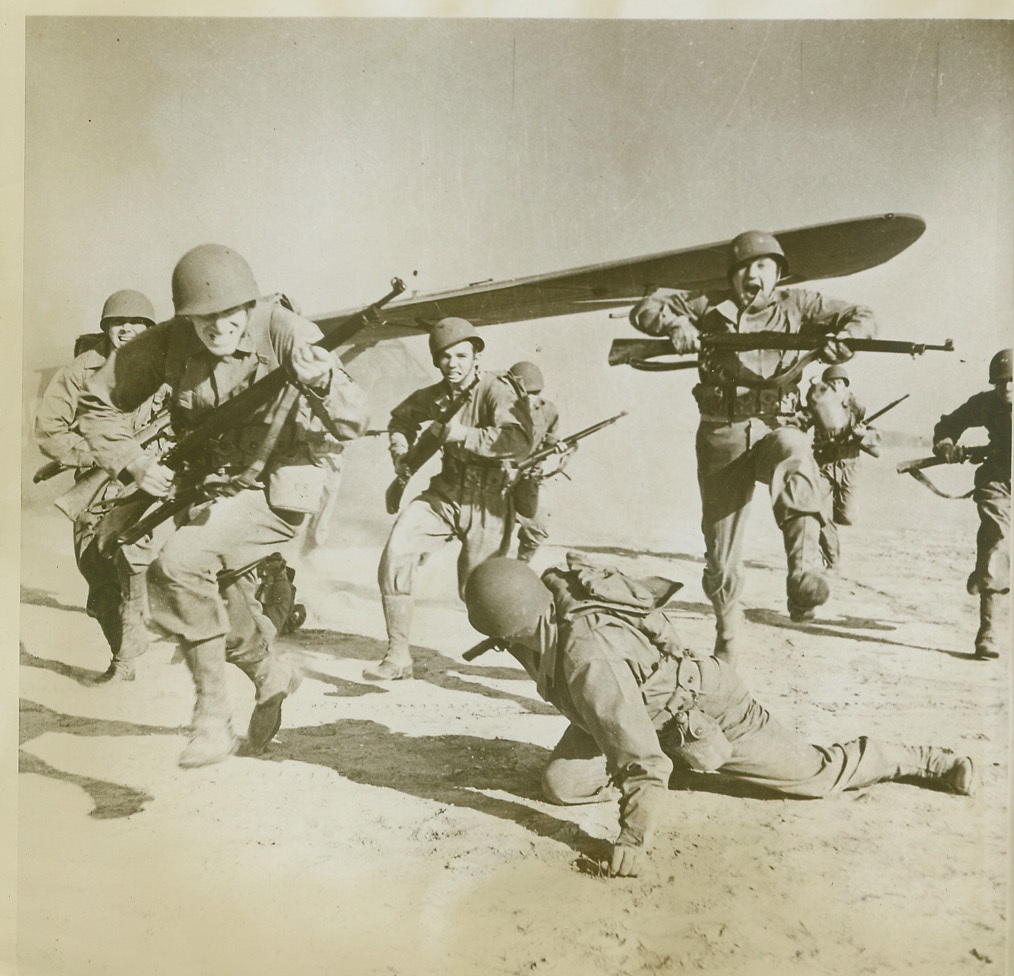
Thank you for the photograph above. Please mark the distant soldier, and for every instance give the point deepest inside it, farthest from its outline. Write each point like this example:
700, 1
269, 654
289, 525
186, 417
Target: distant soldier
529, 499
991, 577
265, 475
467, 499
748, 432
116, 592
839, 436
600, 650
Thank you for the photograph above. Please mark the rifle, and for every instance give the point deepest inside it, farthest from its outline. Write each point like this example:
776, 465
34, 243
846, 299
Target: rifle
880, 413
639, 352
915, 467
196, 442
489, 644
426, 445
533, 459
87, 488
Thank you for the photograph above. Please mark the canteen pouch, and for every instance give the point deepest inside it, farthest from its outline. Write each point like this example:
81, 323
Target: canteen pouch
296, 488
697, 739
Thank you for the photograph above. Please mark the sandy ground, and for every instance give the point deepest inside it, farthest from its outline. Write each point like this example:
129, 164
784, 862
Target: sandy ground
398, 829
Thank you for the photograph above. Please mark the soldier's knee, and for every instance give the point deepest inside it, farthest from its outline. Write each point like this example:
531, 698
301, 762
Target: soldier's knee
567, 782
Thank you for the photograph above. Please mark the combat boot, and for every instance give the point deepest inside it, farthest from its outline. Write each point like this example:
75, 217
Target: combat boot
133, 610
940, 768
526, 550
806, 585
275, 681
397, 662
211, 739
117, 671
987, 639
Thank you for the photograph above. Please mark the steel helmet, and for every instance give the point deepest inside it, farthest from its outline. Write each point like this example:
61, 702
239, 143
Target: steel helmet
212, 278
836, 373
528, 375
127, 306
448, 332
756, 244
505, 597
999, 367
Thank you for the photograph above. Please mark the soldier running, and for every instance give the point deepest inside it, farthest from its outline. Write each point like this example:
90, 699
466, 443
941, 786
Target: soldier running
222, 339
468, 499
600, 650
991, 577
117, 597
529, 500
748, 432
839, 437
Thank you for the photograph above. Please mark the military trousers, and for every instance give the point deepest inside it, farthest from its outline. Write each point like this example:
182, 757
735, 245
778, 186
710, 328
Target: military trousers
731, 459
442, 514
841, 478
226, 533
764, 752
992, 563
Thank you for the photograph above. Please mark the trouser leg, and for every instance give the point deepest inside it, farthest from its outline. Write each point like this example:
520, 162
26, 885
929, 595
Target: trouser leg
532, 533
424, 526
991, 627
104, 597
482, 523
726, 486
576, 772
992, 563
211, 738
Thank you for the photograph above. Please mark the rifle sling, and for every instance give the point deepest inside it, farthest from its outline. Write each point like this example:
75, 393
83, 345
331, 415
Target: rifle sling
924, 479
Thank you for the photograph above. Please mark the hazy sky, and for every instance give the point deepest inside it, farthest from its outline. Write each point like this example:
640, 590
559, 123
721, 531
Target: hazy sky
334, 153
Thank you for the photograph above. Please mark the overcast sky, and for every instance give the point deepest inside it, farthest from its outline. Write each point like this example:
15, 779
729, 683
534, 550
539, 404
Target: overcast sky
335, 153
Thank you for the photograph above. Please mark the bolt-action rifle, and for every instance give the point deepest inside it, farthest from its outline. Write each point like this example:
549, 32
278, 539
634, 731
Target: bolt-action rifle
648, 354
563, 444
976, 455
193, 446
426, 445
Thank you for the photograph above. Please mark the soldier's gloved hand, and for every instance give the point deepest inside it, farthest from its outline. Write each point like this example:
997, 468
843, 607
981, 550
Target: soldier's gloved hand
627, 862
950, 452
151, 477
835, 351
869, 439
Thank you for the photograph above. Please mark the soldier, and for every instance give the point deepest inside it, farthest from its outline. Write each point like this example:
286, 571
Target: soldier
748, 430
221, 340
601, 651
467, 499
529, 505
839, 435
116, 590
991, 577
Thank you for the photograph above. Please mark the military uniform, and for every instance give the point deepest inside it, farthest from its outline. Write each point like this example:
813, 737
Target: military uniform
749, 432
637, 703
991, 577
467, 500
116, 591
532, 514
239, 528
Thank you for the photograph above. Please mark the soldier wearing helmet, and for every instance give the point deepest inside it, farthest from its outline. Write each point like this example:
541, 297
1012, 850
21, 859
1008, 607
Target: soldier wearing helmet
529, 498
749, 426
223, 338
116, 591
467, 500
836, 418
602, 650
990, 579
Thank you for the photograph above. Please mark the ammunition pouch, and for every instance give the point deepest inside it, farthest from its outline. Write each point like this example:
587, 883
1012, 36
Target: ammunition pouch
728, 404
475, 477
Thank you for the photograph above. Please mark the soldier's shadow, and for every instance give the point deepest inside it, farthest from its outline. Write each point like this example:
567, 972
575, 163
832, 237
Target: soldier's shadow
429, 665
772, 619
83, 676
450, 769
112, 800
45, 598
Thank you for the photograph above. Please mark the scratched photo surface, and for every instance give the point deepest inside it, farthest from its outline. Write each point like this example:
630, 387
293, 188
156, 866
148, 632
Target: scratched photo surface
400, 827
